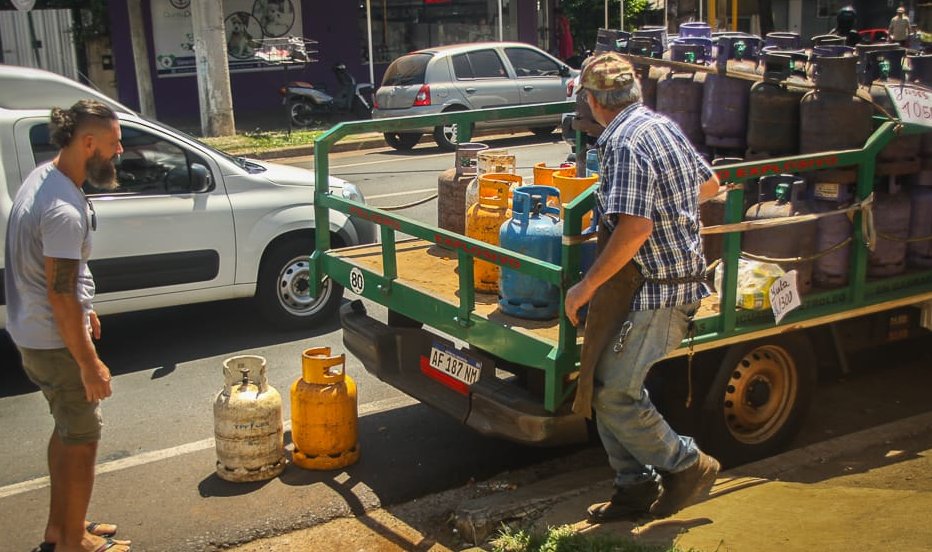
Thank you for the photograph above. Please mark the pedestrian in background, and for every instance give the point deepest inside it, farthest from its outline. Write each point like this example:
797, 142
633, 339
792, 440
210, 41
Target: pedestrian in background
564, 35
899, 27
642, 290
49, 291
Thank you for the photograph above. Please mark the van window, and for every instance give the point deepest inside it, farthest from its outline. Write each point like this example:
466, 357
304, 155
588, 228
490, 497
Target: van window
409, 69
149, 165
528, 63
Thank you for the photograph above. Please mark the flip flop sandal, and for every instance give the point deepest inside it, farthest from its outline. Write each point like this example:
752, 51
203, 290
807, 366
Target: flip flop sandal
110, 543
94, 525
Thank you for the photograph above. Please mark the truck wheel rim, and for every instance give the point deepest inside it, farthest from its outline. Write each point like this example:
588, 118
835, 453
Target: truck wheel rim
294, 285
760, 394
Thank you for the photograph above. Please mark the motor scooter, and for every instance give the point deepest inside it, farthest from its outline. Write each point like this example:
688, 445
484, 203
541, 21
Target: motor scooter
308, 104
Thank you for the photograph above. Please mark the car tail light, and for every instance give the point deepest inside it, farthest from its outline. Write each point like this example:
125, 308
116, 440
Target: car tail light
283, 90
423, 96
375, 101
569, 88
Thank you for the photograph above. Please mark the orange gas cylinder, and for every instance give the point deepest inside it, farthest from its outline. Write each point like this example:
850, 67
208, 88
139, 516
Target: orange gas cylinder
571, 186
483, 221
543, 175
323, 413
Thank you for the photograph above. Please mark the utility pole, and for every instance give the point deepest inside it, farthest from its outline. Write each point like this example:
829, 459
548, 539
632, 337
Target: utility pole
213, 70
141, 59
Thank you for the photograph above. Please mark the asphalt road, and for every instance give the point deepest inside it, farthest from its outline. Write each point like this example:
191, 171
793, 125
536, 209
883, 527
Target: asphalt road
156, 458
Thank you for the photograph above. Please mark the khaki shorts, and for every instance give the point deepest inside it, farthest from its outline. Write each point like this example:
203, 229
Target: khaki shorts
55, 371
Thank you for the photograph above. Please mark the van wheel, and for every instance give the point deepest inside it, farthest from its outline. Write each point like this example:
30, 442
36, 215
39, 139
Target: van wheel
402, 141
759, 398
283, 293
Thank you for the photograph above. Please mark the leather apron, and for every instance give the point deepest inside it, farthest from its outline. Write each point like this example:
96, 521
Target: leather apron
608, 311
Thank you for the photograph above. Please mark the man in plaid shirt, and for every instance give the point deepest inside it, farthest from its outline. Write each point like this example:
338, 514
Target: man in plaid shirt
651, 185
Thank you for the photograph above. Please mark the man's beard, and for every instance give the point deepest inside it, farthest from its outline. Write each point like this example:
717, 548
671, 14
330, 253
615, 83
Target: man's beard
101, 173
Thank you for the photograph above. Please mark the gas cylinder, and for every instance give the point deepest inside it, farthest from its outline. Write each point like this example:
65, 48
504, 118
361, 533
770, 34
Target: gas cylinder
725, 99
679, 97
695, 29
535, 230
784, 41
324, 415
773, 110
483, 222
452, 184
543, 174
497, 161
920, 224
833, 117
712, 213
828, 40
645, 46
648, 77
611, 40
831, 270
789, 241
882, 64
921, 73
891, 210
570, 186
702, 52
655, 32
248, 428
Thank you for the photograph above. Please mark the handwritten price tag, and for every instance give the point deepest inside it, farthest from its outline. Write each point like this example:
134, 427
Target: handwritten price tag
784, 297
913, 103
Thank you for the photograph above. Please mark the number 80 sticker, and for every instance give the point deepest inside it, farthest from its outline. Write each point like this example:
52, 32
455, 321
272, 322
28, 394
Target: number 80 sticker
357, 281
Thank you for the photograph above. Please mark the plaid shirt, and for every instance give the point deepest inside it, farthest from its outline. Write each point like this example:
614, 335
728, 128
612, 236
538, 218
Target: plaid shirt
650, 170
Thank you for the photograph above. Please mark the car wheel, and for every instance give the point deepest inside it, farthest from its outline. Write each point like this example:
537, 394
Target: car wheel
402, 141
283, 292
445, 135
543, 131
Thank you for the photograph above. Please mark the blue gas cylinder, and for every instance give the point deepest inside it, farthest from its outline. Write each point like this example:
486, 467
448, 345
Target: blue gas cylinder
535, 230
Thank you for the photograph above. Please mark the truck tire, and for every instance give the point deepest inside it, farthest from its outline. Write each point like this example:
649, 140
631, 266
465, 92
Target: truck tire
759, 398
282, 290
402, 141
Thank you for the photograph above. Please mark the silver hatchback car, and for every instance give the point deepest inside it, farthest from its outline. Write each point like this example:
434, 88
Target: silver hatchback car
470, 76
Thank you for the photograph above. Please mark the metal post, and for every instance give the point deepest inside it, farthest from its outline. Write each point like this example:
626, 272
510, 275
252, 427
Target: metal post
734, 15
621, 21
713, 13
606, 14
501, 33
369, 31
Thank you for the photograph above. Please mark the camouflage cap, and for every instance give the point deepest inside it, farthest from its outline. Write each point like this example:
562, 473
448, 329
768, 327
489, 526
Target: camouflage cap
608, 71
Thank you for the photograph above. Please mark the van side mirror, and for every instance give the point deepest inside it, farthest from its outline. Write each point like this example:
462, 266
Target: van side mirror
201, 180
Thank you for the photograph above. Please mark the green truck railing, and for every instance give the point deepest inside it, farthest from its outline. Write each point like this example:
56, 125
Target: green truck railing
558, 360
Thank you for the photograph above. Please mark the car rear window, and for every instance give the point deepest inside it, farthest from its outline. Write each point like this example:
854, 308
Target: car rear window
409, 69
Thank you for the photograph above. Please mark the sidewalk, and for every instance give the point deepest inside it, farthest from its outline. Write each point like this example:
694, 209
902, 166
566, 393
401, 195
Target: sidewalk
866, 491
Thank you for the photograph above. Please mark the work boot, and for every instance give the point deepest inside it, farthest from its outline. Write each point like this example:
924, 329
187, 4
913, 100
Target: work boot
686, 487
628, 503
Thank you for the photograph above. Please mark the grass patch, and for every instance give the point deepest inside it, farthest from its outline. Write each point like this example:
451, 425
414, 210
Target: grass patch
566, 539
252, 142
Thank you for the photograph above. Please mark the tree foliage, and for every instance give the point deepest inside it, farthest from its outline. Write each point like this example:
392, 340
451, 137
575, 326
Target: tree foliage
587, 16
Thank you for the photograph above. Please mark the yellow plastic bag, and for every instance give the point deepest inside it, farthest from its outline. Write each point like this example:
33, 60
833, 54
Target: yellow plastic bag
754, 281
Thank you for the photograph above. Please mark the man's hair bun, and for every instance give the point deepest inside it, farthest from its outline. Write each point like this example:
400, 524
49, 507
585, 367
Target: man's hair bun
64, 123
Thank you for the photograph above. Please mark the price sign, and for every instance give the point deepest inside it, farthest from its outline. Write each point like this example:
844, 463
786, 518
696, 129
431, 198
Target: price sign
913, 103
784, 297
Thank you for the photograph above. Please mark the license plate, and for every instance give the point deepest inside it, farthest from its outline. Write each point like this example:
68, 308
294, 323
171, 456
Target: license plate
450, 362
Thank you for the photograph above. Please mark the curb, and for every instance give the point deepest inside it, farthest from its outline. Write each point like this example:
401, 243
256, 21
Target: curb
476, 519
365, 142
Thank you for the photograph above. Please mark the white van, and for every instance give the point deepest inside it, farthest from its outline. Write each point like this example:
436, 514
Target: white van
188, 223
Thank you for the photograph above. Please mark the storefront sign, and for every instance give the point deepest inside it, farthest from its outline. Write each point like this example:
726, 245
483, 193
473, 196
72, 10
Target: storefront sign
251, 27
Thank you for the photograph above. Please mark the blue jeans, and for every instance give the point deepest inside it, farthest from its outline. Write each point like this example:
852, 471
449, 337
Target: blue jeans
636, 437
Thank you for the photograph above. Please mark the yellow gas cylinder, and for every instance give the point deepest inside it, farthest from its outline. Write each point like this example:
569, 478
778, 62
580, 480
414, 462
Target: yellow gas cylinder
543, 175
323, 413
490, 161
483, 222
248, 429
571, 186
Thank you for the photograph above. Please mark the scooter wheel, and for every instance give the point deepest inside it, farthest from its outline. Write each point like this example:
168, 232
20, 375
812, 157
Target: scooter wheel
301, 113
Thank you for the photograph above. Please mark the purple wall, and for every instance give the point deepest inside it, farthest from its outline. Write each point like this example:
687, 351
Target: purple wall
333, 23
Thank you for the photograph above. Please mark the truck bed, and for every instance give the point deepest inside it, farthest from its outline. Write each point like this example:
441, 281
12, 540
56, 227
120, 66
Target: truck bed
431, 269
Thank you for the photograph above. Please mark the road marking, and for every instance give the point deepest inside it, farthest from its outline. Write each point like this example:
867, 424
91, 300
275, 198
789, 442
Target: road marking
396, 194
367, 409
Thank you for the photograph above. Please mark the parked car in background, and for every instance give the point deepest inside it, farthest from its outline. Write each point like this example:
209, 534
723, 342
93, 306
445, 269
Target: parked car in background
470, 76
187, 223
873, 36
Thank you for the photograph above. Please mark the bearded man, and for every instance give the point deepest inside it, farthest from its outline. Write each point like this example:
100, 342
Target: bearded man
50, 317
